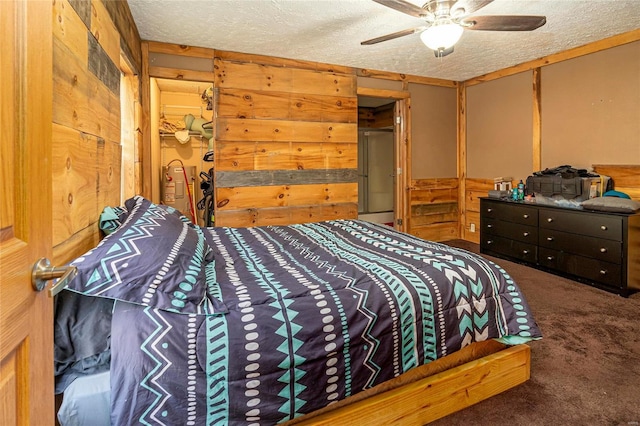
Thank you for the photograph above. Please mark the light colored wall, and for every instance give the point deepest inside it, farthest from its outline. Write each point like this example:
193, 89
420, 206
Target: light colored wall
499, 127
591, 109
433, 131
378, 83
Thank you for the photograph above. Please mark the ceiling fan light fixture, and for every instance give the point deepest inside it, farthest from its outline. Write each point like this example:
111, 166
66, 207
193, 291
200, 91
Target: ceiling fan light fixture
441, 35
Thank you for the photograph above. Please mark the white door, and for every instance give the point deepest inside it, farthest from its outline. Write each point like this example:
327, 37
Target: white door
26, 316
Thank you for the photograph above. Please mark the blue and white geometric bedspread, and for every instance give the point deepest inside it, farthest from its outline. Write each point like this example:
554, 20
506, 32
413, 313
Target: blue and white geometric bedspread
316, 312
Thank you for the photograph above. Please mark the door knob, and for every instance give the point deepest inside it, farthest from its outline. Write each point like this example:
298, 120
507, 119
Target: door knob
43, 271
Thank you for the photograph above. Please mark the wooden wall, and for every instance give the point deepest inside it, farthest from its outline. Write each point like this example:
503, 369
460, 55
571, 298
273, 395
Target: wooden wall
434, 209
474, 189
88, 38
285, 141
376, 117
626, 178
285, 133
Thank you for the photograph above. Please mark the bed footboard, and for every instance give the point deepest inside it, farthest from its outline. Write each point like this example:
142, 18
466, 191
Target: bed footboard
436, 396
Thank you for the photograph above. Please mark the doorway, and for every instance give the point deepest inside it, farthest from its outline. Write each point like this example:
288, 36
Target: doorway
376, 160
181, 138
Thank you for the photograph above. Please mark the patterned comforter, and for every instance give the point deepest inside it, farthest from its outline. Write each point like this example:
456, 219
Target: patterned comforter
293, 318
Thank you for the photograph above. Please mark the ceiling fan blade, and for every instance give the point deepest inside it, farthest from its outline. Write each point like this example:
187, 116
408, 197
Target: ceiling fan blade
466, 7
404, 7
504, 23
393, 35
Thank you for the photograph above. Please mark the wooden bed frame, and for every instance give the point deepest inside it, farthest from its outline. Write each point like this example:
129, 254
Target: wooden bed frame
447, 385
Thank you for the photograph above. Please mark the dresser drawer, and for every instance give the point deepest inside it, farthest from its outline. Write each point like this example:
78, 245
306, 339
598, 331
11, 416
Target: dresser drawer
582, 223
595, 248
510, 212
511, 248
514, 231
581, 267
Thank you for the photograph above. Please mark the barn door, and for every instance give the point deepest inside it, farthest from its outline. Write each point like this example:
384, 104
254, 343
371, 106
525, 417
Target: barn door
26, 324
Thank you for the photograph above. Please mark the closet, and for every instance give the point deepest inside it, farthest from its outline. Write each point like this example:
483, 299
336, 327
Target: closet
182, 146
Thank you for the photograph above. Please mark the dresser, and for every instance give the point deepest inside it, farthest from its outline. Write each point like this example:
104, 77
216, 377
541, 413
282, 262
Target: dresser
597, 248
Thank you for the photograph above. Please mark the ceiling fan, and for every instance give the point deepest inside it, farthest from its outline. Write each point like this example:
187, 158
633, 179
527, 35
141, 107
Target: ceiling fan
445, 20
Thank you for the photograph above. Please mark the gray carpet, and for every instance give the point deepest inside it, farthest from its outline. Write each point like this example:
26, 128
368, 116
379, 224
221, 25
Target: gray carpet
585, 370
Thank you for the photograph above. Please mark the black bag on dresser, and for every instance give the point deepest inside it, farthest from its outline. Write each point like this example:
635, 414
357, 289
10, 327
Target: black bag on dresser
568, 182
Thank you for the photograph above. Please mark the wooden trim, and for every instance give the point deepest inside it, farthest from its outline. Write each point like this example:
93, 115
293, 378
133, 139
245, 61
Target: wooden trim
180, 49
402, 146
382, 93
405, 78
537, 120
180, 74
462, 158
402, 149
282, 62
146, 173
319, 66
437, 396
607, 43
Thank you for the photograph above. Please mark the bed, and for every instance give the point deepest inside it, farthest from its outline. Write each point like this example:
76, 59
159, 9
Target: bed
279, 324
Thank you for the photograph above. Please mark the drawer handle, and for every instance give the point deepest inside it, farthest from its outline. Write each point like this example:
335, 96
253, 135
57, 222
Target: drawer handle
549, 238
603, 272
525, 251
603, 250
489, 210
604, 228
549, 257
489, 226
526, 216
525, 234
489, 241
549, 219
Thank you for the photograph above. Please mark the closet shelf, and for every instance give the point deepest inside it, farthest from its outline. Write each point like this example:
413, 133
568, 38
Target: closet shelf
191, 133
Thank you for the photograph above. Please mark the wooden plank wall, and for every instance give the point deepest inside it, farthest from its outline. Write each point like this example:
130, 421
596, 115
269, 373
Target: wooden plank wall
434, 209
626, 178
376, 117
86, 118
285, 141
474, 189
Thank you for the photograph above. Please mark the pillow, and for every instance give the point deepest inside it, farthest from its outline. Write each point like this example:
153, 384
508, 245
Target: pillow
612, 204
111, 218
153, 258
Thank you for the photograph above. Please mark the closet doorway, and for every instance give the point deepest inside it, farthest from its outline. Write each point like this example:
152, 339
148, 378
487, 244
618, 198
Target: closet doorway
380, 161
181, 138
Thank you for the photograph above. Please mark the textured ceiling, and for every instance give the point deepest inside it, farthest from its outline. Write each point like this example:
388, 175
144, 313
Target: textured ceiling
330, 31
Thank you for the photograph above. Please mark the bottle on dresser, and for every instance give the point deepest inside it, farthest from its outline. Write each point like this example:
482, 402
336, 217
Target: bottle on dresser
520, 189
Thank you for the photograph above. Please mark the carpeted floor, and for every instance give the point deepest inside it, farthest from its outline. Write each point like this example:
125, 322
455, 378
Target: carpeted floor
585, 370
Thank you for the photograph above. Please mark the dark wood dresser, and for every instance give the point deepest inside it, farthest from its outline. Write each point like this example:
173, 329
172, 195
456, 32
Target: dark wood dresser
597, 248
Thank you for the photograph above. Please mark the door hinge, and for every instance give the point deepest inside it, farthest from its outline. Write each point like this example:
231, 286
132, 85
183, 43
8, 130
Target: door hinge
398, 120
399, 222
